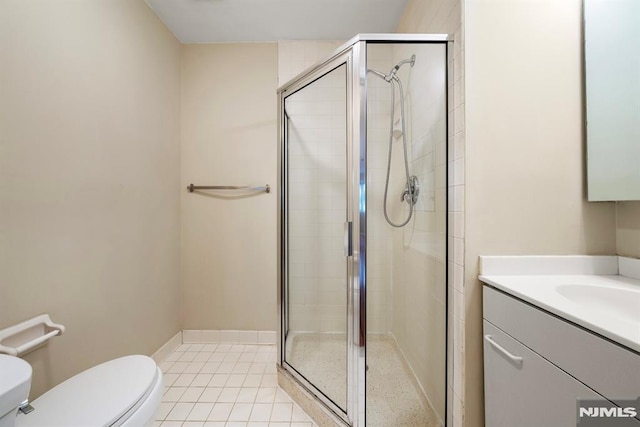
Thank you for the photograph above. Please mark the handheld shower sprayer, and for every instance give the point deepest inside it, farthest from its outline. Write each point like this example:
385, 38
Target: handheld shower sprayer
412, 188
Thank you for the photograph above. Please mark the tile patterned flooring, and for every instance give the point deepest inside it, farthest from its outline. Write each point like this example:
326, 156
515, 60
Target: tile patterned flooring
225, 385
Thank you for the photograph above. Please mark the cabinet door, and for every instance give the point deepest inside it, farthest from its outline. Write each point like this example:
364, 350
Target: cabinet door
523, 389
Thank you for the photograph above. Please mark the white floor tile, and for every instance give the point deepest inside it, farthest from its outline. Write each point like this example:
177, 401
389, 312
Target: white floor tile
188, 356
173, 394
253, 380
269, 381
165, 366
257, 368
202, 356
225, 385
201, 380
261, 412
194, 367
184, 380
241, 412
179, 412
169, 379
247, 357
266, 395
174, 356
229, 394
281, 396
281, 412
178, 367
210, 394
219, 380
232, 357
217, 357
247, 395
241, 368
164, 409
251, 349
223, 348
200, 412
220, 412
226, 367
210, 368
235, 380
262, 358
191, 394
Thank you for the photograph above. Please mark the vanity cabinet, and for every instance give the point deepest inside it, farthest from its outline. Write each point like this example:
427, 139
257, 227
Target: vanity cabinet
537, 366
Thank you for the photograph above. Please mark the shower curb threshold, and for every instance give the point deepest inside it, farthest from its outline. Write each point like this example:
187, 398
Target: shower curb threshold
309, 404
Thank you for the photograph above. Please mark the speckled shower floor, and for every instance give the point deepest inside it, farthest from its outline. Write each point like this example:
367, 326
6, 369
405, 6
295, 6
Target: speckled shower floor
393, 399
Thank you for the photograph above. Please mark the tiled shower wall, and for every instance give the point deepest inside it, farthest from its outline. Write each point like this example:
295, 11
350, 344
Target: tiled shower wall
379, 242
406, 266
317, 177
419, 257
446, 17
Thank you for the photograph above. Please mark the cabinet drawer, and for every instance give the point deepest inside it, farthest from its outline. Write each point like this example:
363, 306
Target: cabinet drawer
531, 392
611, 369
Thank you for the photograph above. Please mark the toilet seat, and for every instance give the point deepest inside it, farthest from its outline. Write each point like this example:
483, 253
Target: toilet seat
105, 395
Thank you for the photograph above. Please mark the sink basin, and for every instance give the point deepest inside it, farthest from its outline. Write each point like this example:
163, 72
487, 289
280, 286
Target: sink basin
622, 303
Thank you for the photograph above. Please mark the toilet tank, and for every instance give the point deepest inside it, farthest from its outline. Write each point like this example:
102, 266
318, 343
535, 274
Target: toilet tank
15, 383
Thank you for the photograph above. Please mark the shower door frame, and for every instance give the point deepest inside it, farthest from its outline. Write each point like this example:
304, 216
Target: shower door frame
345, 57
353, 53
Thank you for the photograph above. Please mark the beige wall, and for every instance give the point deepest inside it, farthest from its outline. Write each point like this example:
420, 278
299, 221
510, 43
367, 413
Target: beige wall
524, 154
628, 229
229, 138
89, 173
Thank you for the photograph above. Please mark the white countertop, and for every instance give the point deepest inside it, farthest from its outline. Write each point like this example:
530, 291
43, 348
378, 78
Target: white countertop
607, 304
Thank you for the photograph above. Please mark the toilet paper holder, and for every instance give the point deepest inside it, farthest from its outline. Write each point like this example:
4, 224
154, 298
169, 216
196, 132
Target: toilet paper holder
29, 335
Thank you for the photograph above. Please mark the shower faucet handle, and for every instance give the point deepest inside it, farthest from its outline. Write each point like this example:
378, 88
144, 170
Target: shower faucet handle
411, 191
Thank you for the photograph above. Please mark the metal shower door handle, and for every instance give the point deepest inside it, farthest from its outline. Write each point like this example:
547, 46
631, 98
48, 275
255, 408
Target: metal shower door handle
348, 242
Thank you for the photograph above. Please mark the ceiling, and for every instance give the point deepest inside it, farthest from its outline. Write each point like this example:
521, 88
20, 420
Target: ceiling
219, 21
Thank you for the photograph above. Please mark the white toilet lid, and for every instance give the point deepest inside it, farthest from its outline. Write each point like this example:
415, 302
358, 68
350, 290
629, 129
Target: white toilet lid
99, 396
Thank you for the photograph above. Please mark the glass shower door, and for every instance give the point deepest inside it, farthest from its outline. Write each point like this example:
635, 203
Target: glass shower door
315, 160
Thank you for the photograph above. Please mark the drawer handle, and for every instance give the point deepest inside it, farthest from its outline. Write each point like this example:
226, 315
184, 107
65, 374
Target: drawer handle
503, 350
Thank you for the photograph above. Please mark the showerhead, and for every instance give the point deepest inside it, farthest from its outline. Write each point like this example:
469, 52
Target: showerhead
392, 74
394, 70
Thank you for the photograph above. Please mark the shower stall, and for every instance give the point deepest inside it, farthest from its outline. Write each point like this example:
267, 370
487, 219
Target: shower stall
363, 232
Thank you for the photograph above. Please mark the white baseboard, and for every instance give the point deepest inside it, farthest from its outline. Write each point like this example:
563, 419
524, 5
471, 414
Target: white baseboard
161, 354
229, 336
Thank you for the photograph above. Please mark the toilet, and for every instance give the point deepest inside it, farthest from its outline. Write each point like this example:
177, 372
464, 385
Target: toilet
121, 392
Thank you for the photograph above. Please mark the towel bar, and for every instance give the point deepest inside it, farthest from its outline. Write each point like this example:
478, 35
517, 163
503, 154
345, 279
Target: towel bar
192, 188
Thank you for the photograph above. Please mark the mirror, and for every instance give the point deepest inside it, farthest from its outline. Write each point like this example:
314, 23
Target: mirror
612, 81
